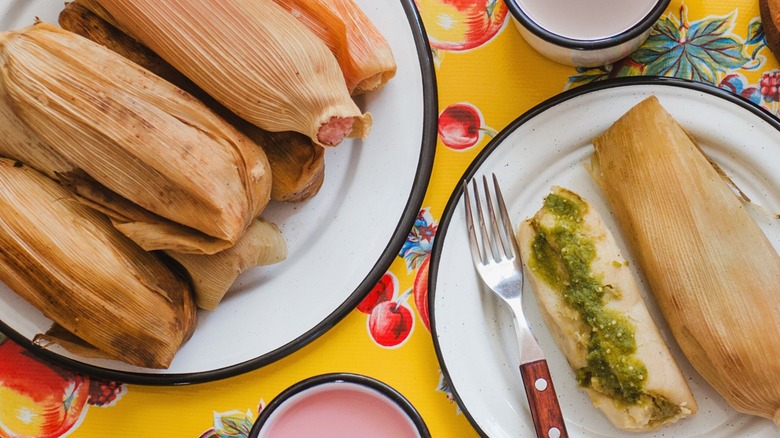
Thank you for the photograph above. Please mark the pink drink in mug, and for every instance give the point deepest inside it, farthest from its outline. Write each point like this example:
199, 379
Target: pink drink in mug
345, 406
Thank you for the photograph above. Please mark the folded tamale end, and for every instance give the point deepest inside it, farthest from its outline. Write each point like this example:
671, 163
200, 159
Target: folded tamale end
69, 262
213, 275
297, 165
709, 265
57, 335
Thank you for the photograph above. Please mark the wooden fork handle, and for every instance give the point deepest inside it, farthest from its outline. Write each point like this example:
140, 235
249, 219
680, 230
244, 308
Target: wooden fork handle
545, 410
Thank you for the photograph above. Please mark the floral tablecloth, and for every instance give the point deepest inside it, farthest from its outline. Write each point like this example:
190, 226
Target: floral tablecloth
487, 76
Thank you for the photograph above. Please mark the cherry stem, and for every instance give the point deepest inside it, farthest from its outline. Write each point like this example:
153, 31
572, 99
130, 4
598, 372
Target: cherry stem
403, 297
490, 132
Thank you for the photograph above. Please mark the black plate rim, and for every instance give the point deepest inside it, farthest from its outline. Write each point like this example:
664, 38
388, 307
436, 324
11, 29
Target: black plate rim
634, 31
405, 223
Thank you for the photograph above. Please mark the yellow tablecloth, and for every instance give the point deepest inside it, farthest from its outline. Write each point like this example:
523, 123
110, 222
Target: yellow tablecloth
487, 69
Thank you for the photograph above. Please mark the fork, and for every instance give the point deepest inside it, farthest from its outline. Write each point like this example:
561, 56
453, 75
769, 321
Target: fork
497, 259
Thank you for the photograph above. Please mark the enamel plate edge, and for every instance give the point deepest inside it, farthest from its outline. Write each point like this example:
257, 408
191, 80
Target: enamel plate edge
472, 332
272, 311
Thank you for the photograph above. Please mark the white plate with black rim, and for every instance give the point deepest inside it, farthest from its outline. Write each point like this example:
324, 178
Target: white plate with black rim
473, 333
340, 242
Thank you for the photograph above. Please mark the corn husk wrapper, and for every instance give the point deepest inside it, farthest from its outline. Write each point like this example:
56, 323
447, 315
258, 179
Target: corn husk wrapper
297, 164
154, 158
252, 57
710, 267
364, 55
57, 335
70, 263
212, 275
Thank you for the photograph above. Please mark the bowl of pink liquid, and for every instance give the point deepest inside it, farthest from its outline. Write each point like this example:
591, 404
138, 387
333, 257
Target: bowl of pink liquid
586, 33
339, 405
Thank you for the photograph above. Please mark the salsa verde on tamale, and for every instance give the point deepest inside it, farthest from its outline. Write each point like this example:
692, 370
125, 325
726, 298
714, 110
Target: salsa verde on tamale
592, 305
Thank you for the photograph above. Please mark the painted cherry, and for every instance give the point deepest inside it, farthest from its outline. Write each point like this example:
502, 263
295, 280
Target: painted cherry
382, 291
461, 126
390, 323
420, 290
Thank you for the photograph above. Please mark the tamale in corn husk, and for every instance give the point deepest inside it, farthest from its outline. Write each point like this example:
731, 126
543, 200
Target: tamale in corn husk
158, 161
364, 55
70, 263
712, 270
254, 58
297, 164
591, 304
212, 275
19, 142
367, 47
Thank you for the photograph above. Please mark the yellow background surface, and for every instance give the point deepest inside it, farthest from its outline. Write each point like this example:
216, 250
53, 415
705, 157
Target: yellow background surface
503, 78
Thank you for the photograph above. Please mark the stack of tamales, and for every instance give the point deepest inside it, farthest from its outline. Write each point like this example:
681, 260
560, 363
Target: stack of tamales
128, 200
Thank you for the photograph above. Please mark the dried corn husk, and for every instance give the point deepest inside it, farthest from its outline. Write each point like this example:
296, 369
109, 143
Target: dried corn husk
78, 17
19, 142
57, 335
170, 165
297, 165
711, 269
212, 275
254, 58
69, 262
364, 55
367, 47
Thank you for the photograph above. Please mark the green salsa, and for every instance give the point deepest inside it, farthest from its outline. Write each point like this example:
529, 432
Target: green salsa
561, 256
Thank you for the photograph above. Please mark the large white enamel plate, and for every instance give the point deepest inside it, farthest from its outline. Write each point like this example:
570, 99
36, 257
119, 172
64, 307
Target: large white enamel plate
340, 242
545, 147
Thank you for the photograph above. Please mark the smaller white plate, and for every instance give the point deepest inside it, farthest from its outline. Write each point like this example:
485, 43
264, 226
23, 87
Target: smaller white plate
545, 147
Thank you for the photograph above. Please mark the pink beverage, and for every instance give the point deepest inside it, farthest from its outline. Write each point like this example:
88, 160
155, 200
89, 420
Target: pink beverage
339, 410
586, 19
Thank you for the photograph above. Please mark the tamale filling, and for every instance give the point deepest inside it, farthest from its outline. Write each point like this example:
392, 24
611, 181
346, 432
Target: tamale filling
561, 256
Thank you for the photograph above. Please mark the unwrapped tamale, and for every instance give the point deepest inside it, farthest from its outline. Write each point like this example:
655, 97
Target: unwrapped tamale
254, 58
712, 270
70, 263
169, 171
592, 306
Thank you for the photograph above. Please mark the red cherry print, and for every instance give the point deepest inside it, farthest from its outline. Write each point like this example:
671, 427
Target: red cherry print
461, 126
390, 323
105, 392
382, 291
770, 86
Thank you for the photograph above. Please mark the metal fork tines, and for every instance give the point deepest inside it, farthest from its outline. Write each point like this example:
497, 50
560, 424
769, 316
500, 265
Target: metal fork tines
497, 259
